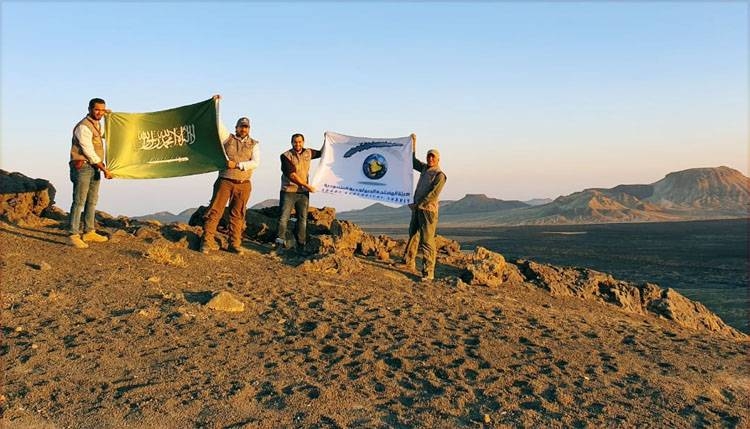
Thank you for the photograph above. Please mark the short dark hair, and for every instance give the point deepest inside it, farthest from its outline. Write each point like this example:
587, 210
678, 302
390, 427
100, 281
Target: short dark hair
295, 135
95, 101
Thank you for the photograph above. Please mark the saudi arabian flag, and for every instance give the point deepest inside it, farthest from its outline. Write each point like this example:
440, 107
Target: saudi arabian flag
170, 143
373, 168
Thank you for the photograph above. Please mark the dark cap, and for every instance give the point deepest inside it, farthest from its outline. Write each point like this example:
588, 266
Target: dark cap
243, 122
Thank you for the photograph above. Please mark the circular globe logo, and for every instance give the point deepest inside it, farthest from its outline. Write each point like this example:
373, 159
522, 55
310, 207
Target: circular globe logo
375, 166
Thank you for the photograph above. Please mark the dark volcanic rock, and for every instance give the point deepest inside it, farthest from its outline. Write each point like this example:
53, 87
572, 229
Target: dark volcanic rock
183, 234
24, 198
646, 298
260, 227
109, 221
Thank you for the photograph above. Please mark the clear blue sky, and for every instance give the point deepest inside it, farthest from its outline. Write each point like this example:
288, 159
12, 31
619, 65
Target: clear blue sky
523, 100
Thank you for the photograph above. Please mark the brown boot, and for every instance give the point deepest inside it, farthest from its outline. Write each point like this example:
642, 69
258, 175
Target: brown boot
237, 248
208, 245
410, 266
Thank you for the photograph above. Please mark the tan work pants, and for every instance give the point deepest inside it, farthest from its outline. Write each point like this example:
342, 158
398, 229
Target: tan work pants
422, 230
237, 194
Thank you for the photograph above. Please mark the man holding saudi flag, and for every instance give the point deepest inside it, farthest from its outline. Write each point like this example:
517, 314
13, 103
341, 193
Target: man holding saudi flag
233, 186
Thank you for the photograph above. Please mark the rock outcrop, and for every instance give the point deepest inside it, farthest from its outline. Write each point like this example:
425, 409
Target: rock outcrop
488, 268
646, 298
23, 199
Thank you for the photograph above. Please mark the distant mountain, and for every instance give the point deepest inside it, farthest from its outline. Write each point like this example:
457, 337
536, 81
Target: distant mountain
694, 194
265, 203
473, 203
719, 189
168, 217
538, 201
184, 216
379, 214
470, 204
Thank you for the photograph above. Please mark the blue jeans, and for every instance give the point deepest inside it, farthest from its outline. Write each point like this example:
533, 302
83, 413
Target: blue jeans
300, 202
85, 195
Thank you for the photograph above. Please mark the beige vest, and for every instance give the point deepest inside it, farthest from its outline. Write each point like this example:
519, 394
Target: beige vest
301, 163
76, 153
238, 151
427, 182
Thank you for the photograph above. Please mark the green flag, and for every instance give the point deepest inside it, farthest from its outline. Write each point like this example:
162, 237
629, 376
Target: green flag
170, 143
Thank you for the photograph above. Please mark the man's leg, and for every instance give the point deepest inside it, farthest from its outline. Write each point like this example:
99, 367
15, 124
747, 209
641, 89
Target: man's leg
89, 214
410, 254
92, 197
285, 203
428, 226
237, 209
301, 204
222, 192
81, 180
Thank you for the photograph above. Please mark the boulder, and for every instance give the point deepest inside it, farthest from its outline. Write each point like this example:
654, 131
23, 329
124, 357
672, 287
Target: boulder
368, 245
447, 246
183, 234
55, 213
119, 235
225, 301
676, 307
24, 198
108, 221
560, 281
196, 219
147, 233
260, 227
347, 236
322, 244
320, 221
490, 269
334, 264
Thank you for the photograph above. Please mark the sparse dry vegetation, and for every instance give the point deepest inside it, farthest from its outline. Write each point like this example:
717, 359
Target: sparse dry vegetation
163, 254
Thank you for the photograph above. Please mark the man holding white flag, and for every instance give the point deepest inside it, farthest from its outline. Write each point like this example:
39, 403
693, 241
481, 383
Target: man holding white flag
424, 212
295, 190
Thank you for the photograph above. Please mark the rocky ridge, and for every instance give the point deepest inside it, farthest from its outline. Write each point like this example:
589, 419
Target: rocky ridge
144, 331
333, 240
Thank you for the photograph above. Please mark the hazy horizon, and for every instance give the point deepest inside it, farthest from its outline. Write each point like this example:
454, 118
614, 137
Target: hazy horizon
523, 100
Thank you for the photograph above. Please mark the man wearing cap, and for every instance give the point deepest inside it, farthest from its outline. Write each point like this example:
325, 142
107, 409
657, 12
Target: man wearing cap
86, 168
295, 190
232, 185
424, 212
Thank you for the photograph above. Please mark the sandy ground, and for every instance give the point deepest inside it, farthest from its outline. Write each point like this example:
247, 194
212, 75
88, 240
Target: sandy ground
106, 337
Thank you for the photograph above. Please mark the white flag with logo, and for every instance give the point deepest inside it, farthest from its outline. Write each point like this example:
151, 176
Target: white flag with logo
373, 168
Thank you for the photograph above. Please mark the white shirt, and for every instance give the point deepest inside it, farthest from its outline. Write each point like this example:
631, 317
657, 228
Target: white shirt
85, 136
224, 135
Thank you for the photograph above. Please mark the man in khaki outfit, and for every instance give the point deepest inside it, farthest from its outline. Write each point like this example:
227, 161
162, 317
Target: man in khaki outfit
424, 212
232, 185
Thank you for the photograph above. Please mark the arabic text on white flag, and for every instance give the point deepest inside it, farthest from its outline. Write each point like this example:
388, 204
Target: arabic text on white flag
373, 168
